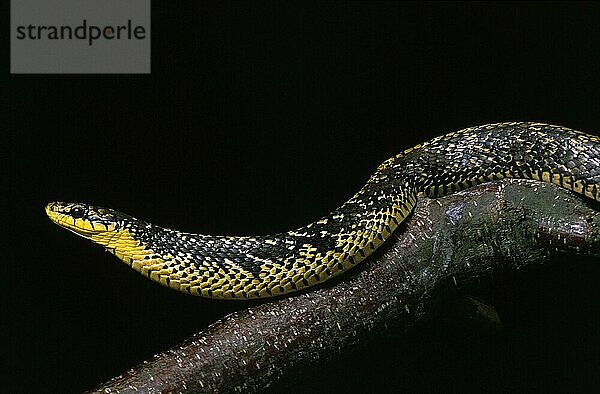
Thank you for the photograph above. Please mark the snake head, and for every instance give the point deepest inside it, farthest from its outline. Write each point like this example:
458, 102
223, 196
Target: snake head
83, 219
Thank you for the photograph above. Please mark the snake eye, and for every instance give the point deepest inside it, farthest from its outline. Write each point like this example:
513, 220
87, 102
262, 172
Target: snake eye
77, 212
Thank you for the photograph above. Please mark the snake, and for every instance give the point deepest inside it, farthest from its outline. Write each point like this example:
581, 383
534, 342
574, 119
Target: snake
245, 267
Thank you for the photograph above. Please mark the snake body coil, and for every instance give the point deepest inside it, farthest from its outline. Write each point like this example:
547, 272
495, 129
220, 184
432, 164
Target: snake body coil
249, 267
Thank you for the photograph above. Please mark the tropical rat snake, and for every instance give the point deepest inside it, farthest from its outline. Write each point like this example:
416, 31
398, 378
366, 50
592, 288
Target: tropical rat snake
240, 267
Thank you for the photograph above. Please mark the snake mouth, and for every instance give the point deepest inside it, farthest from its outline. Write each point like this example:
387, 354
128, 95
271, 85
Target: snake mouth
80, 219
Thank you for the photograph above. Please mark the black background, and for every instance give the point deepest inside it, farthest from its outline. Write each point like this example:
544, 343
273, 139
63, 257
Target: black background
260, 117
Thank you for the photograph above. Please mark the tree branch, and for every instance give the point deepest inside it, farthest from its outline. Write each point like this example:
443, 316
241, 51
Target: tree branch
447, 243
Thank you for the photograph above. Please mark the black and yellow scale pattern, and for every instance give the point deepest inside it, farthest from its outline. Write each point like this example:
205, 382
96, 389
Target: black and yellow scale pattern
232, 267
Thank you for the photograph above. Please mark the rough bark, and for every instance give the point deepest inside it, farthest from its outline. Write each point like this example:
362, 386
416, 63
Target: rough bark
448, 243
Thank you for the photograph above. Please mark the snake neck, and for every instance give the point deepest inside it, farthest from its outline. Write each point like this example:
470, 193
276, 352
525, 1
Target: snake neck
123, 242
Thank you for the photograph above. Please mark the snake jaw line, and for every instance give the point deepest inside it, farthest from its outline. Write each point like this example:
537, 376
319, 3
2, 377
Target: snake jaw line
85, 220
